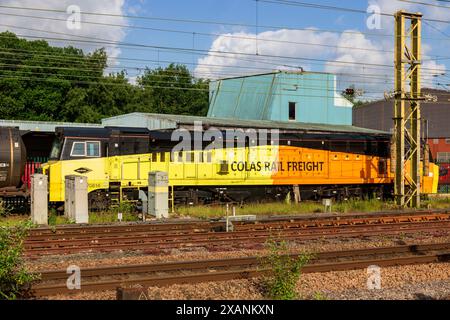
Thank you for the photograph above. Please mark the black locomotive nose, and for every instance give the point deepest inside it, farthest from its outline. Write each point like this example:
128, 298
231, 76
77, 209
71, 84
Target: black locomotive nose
12, 157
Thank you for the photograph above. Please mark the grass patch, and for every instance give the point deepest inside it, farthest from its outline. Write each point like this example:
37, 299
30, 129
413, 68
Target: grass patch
110, 217
12, 221
128, 214
436, 203
219, 211
284, 208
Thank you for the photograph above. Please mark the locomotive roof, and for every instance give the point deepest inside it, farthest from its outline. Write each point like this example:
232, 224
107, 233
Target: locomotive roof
153, 121
98, 132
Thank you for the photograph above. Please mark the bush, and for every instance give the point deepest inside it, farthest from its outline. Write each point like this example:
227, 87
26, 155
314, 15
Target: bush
15, 280
4, 210
285, 271
125, 207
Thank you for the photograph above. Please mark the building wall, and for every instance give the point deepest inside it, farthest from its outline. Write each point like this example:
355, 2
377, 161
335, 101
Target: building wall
267, 97
379, 115
440, 149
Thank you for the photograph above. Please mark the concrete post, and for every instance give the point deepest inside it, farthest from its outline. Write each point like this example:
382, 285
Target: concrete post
39, 199
76, 199
68, 194
297, 195
158, 194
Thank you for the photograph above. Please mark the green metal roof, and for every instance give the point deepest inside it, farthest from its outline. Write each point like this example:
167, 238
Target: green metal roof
169, 121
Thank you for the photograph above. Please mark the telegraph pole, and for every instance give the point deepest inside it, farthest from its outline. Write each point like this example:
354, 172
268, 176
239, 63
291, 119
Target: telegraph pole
407, 138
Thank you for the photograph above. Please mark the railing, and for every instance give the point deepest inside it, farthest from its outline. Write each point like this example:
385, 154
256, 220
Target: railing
31, 167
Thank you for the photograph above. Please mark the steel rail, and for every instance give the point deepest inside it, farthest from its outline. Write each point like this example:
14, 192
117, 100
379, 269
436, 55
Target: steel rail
244, 273
137, 231
187, 225
234, 238
47, 275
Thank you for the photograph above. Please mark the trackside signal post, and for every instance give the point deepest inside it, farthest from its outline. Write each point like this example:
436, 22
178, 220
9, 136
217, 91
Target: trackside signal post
407, 136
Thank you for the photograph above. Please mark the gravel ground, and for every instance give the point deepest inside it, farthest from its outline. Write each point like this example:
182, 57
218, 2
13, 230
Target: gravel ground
428, 281
127, 257
435, 290
403, 282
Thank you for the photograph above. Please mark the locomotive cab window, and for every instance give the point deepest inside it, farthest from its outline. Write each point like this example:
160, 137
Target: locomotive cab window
90, 149
78, 149
56, 150
93, 149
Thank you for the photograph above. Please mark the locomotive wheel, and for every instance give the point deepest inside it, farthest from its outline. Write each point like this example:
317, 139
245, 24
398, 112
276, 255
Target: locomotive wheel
99, 201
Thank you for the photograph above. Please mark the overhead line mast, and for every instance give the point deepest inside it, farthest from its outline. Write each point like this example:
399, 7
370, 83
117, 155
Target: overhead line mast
407, 135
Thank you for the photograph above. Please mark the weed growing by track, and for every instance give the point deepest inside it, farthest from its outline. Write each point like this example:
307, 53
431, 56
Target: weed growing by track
4, 211
437, 203
127, 210
15, 280
285, 271
286, 207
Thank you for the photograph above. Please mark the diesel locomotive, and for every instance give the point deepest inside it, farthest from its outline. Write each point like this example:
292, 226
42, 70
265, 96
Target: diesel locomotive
316, 165
117, 160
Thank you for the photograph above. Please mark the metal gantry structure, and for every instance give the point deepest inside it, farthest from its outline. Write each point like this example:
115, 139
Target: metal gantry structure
407, 137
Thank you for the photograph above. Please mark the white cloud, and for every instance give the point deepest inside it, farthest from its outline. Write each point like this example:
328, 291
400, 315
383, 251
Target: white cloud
429, 12
108, 33
271, 44
364, 68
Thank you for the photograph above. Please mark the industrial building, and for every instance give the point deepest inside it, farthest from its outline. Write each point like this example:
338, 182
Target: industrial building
282, 96
378, 115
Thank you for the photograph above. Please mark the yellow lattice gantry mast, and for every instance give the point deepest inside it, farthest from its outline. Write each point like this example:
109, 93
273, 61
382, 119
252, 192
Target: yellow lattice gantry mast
407, 121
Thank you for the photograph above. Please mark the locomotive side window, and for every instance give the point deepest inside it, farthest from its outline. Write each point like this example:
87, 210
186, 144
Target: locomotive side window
78, 149
93, 149
89, 149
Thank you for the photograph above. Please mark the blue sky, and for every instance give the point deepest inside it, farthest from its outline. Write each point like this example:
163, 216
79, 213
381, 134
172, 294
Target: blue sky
338, 36
269, 14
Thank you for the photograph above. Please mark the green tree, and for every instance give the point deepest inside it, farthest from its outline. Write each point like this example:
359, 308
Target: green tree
175, 91
42, 82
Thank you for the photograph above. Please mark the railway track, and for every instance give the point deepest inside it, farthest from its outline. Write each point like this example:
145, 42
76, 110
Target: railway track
147, 237
184, 226
163, 274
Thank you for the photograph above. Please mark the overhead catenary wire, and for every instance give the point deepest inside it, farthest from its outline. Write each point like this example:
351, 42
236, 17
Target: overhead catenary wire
106, 84
352, 74
239, 58
64, 77
425, 4
331, 61
126, 68
191, 21
337, 8
228, 54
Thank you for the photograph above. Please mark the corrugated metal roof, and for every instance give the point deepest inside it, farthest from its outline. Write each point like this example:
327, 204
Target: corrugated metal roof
168, 121
44, 126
